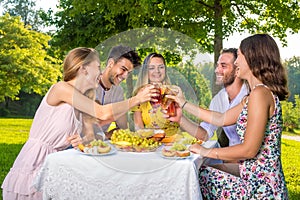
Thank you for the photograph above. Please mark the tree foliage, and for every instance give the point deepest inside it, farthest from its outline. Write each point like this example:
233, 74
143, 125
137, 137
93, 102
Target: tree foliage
291, 114
24, 62
208, 22
172, 44
27, 10
293, 72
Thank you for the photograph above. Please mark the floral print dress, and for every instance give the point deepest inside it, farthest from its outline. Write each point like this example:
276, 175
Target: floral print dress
260, 177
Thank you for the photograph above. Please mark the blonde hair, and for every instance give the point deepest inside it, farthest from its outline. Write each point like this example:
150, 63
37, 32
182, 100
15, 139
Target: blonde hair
143, 78
77, 57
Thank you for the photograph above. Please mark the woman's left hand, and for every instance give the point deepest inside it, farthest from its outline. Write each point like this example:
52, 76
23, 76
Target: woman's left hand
199, 149
74, 140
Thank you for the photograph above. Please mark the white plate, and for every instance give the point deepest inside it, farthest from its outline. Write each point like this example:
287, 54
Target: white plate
112, 151
175, 157
132, 150
159, 152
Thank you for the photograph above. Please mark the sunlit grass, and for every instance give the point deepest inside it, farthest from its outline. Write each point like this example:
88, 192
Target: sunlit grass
290, 158
14, 133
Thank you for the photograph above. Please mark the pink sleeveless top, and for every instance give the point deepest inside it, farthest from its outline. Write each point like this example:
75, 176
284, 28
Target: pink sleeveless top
50, 128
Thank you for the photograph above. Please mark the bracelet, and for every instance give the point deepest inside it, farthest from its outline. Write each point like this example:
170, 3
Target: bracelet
183, 104
217, 155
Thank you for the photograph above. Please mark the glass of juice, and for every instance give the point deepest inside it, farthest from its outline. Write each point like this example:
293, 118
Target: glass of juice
158, 97
169, 104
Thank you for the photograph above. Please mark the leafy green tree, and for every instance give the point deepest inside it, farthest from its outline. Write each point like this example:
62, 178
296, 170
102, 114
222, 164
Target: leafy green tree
27, 10
293, 72
288, 116
208, 22
24, 62
291, 114
207, 69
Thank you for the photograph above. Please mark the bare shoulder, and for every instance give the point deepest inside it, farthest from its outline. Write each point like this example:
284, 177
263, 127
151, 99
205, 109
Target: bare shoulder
62, 88
60, 85
261, 91
261, 94
57, 93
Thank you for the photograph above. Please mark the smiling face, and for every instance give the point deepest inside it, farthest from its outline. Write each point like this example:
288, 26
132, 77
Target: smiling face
156, 70
225, 70
118, 71
243, 69
93, 72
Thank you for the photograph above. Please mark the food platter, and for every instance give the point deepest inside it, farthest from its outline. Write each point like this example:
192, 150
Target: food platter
147, 140
175, 152
112, 151
174, 157
97, 148
139, 142
122, 146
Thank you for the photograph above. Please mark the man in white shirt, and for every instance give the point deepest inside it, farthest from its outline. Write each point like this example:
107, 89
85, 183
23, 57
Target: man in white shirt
120, 63
233, 92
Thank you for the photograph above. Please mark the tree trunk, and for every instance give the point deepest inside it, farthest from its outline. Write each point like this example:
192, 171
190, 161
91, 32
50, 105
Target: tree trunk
129, 83
218, 41
6, 102
218, 46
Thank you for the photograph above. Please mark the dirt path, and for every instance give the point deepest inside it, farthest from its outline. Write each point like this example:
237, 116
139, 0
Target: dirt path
290, 137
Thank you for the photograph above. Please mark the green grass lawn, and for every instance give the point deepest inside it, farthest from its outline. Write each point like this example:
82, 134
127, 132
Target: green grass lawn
14, 133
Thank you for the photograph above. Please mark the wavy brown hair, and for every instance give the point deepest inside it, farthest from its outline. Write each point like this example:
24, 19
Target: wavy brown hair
262, 55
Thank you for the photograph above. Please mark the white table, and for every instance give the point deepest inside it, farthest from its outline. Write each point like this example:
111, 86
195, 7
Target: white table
71, 175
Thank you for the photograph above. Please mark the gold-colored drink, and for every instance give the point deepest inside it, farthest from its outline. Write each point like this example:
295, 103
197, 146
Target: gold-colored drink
166, 103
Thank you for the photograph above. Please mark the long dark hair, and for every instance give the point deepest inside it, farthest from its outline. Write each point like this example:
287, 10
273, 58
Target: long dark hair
262, 55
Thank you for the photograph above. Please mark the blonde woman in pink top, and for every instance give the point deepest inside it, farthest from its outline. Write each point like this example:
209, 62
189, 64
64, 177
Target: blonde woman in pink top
57, 121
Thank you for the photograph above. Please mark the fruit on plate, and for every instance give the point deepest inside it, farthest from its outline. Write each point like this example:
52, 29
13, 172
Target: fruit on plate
81, 147
126, 140
95, 147
200, 142
122, 143
145, 133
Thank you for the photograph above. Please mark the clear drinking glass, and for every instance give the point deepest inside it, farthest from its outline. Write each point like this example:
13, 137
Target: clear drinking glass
159, 95
169, 104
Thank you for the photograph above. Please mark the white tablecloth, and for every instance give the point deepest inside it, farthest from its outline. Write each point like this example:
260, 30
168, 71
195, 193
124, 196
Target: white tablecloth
71, 175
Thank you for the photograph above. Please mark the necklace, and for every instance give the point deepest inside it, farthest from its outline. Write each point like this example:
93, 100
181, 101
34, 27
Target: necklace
102, 85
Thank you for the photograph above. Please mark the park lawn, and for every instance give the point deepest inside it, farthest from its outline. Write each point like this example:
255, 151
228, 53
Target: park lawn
14, 133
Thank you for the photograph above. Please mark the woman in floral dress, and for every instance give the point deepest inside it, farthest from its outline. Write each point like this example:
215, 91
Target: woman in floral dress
258, 175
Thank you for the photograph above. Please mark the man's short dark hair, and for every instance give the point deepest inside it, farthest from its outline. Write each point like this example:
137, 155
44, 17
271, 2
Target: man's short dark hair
120, 51
230, 50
